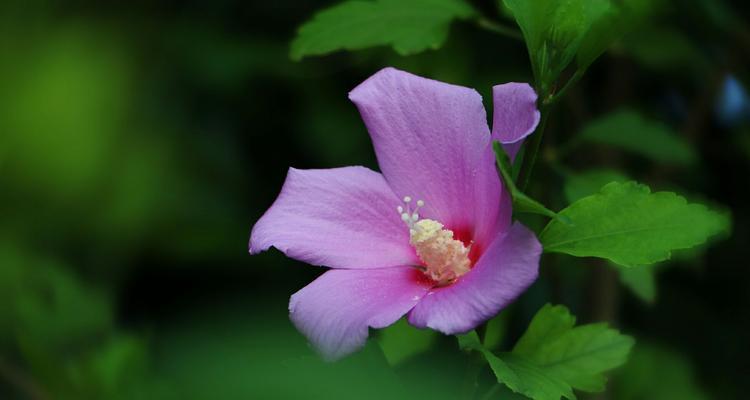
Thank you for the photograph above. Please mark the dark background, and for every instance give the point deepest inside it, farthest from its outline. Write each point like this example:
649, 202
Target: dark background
139, 142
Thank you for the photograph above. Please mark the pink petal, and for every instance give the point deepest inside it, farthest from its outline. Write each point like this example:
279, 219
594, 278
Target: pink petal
335, 311
504, 271
514, 115
341, 218
432, 143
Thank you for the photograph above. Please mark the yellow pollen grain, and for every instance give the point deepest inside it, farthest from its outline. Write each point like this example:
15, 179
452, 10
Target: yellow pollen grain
445, 258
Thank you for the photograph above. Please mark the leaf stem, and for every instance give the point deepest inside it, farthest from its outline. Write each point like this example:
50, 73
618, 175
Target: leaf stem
498, 28
531, 151
533, 147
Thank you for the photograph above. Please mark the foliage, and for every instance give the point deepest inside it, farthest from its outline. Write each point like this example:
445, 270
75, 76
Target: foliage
554, 356
631, 226
521, 202
135, 148
409, 26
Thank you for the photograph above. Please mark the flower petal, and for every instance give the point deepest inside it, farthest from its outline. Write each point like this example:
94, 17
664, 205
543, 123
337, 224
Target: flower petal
335, 311
341, 218
514, 115
504, 271
433, 143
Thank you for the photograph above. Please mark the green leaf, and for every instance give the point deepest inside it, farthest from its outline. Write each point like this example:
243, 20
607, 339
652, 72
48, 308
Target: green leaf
554, 356
577, 355
549, 323
521, 202
553, 31
627, 224
619, 18
628, 130
525, 377
587, 183
518, 374
605, 30
402, 341
409, 26
641, 281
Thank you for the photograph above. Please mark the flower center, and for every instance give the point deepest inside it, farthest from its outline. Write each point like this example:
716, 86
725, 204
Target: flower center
444, 257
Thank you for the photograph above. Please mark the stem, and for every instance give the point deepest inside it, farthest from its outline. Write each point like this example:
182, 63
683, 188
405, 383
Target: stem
531, 152
536, 141
500, 29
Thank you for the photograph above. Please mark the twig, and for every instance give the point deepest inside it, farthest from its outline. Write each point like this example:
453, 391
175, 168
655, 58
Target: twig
498, 28
531, 151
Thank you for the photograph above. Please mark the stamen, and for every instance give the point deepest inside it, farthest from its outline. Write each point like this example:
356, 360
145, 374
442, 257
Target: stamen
409, 216
444, 257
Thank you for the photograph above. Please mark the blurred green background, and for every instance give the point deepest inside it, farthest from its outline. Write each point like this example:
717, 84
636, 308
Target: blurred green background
140, 141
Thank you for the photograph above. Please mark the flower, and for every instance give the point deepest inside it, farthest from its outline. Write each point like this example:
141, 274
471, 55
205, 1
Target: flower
430, 237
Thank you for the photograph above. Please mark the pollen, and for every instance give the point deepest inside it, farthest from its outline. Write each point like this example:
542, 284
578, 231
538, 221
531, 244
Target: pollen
445, 258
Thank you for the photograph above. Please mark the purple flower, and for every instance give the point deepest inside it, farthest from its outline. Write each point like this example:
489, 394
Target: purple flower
430, 237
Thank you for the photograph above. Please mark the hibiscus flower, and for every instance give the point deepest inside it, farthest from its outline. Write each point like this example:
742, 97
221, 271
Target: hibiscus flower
430, 237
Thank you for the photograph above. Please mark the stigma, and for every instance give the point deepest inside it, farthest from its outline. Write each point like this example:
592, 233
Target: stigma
444, 257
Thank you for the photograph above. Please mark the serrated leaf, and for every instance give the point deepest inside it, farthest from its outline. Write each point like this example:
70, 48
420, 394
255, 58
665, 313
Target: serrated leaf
518, 374
554, 356
525, 377
549, 323
589, 182
627, 224
628, 130
577, 355
409, 26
